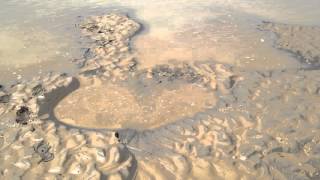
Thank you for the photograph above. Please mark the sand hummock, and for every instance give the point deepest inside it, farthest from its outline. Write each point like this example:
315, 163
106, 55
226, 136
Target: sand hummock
200, 120
111, 106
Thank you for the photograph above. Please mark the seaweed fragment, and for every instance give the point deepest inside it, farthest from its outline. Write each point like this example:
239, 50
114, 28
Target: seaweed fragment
132, 66
23, 115
43, 150
88, 54
38, 90
185, 73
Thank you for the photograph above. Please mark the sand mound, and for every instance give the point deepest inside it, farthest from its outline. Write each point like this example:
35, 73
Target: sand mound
112, 106
303, 41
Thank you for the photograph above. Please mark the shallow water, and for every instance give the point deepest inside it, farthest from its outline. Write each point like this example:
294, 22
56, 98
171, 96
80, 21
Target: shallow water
41, 36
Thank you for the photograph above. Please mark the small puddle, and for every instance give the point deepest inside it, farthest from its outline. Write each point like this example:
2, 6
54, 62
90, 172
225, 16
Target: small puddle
42, 36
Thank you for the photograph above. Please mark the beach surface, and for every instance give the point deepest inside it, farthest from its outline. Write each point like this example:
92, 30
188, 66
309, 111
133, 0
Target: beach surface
119, 119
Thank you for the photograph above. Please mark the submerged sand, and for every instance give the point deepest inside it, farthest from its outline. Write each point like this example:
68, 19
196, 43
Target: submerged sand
179, 120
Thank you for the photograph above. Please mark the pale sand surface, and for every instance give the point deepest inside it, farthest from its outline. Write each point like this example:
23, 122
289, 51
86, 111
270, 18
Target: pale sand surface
226, 123
112, 106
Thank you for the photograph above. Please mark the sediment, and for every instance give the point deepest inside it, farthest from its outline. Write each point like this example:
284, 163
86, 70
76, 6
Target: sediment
261, 125
302, 41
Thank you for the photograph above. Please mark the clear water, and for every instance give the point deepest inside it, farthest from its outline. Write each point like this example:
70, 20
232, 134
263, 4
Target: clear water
40, 36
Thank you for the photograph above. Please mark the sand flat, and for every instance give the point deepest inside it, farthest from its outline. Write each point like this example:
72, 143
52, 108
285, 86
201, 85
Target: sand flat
110, 106
199, 120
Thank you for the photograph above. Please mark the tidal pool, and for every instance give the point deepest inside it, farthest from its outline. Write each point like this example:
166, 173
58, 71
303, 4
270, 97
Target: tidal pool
205, 89
42, 36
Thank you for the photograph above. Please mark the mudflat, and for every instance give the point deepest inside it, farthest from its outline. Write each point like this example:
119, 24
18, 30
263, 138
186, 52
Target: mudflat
177, 120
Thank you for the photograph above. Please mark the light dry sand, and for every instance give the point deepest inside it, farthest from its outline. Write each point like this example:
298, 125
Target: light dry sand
256, 124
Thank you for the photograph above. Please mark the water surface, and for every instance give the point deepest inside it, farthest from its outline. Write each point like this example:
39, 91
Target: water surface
41, 36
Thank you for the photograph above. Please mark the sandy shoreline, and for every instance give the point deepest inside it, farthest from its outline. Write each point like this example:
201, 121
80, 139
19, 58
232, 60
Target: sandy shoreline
255, 125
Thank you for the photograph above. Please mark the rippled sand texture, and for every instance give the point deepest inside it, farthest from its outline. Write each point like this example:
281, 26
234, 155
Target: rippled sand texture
260, 125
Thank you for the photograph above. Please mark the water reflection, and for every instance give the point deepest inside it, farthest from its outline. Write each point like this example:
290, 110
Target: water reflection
39, 32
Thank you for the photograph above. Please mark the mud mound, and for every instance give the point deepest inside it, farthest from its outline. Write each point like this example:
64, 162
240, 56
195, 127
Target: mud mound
112, 106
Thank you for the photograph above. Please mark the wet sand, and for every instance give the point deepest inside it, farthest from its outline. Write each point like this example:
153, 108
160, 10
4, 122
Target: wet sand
226, 122
302, 41
111, 106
